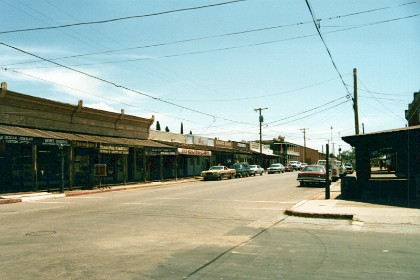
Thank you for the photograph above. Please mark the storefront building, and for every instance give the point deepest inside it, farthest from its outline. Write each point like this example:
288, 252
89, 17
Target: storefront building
48, 145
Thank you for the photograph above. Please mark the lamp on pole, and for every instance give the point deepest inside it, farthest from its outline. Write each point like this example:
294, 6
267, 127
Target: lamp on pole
261, 120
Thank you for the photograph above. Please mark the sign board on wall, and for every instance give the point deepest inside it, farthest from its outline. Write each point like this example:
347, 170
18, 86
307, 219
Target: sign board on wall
191, 152
112, 149
222, 144
160, 152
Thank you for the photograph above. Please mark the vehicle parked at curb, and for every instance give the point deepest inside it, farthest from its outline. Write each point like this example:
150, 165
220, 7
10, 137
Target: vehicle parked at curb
218, 173
288, 168
303, 165
256, 169
349, 168
334, 168
312, 174
241, 168
341, 169
276, 168
295, 164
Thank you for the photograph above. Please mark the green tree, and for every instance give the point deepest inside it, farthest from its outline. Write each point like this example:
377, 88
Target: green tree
182, 128
348, 156
167, 129
157, 125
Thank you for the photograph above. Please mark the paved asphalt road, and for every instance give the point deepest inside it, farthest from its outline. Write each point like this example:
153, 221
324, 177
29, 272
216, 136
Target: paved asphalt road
230, 229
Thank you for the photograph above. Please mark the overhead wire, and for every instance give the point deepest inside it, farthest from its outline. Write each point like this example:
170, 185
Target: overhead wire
326, 47
122, 18
226, 48
374, 97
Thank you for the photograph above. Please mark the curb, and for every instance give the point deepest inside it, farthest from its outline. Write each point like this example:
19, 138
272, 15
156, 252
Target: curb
10, 201
37, 196
290, 212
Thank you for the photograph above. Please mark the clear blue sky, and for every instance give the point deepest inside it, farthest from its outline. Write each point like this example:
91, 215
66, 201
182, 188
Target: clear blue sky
210, 67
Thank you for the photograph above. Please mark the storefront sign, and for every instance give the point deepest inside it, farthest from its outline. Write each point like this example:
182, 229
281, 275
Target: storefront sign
16, 139
222, 144
241, 146
112, 149
160, 152
191, 152
80, 144
53, 142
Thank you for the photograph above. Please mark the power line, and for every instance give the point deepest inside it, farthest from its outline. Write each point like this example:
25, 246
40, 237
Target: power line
383, 105
232, 34
119, 86
222, 49
326, 47
122, 18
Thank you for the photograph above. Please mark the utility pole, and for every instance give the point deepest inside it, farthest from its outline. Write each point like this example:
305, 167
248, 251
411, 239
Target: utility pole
304, 143
355, 106
261, 120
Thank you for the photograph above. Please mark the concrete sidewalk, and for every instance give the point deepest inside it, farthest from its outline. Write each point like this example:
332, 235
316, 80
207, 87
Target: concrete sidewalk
335, 208
34, 196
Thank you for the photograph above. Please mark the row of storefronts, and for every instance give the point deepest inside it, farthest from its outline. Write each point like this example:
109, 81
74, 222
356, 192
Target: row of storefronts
50, 145
36, 160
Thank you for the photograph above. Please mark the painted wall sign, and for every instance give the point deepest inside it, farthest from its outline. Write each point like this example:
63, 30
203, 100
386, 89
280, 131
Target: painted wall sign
112, 149
192, 152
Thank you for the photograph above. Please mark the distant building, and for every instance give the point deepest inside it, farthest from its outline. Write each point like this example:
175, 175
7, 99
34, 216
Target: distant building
412, 115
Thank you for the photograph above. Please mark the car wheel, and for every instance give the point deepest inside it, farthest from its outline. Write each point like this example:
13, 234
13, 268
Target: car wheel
261, 173
302, 184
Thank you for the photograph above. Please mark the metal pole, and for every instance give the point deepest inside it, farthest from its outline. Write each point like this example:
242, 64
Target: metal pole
327, 173
304, 143
62, 169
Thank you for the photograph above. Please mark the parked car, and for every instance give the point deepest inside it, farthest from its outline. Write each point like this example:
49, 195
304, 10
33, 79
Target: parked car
256, 169
334, 167
303, 165
312, 174
349, 168
276, 168
295, 164
241, 168
341, 169
288, 168
218, 173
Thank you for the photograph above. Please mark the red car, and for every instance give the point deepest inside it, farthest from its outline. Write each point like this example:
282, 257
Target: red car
312, 174
288, 168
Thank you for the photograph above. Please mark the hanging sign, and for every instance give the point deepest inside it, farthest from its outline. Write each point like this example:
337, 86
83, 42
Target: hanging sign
112, 149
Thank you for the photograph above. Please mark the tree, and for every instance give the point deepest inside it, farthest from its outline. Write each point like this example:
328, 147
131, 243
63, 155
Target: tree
157, 125
167, 129
348, 156
182, 128
190, 132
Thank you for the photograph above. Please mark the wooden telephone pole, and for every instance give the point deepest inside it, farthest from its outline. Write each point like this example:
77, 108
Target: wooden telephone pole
261, 119
355, 106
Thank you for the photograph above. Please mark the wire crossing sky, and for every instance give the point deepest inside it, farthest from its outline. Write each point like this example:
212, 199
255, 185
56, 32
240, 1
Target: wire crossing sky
209, 64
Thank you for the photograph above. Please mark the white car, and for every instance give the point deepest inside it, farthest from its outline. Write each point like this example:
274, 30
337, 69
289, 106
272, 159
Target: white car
256, 169
276, 168
295, 164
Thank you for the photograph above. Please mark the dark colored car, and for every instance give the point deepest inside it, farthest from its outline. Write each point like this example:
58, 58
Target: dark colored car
242, 169
312, 174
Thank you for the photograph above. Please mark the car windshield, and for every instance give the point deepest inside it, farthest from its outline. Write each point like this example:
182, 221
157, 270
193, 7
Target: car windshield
275, 165
216, 168
252, 166
348, 164
314, 169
